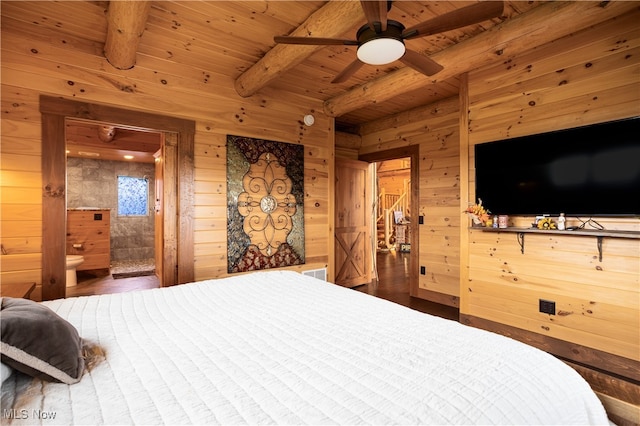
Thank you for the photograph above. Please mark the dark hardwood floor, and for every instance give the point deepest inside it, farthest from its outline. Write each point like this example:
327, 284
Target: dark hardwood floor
393, 285
90, 284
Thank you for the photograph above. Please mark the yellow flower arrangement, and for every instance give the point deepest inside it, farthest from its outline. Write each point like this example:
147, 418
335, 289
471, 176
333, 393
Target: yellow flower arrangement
478, 213
546, 223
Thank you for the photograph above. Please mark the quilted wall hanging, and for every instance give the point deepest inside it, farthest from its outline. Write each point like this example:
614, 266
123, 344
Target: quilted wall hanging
265, 204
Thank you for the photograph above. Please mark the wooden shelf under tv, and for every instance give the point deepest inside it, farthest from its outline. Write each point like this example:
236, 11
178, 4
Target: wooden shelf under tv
598, 233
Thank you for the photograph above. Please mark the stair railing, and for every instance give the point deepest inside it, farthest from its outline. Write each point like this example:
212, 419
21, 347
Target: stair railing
387, 205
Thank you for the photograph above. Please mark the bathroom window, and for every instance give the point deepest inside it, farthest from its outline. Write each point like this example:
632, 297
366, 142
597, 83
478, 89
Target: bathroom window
133, 196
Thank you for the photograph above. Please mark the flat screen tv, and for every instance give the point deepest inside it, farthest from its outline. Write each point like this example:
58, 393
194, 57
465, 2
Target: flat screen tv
586, 171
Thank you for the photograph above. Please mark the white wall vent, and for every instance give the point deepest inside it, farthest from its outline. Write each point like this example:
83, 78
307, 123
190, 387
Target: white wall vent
320, 274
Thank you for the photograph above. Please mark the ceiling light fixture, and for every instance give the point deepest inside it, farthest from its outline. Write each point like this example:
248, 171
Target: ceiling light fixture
382, 47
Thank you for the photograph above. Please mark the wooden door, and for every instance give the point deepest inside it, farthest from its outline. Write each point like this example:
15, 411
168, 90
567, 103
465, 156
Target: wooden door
353, 219
168, 222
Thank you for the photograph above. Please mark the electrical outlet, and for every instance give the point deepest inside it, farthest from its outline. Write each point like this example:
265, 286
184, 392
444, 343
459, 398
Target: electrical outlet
547, 307
423, 270
420, 220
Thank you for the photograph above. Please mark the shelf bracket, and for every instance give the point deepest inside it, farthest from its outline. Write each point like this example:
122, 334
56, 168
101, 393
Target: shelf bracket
599, 244
520, 237
600, 234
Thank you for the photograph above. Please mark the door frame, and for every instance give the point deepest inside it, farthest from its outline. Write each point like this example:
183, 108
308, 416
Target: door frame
54, 112
412, 152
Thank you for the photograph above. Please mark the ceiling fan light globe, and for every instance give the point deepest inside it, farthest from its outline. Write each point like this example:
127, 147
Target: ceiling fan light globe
381, 51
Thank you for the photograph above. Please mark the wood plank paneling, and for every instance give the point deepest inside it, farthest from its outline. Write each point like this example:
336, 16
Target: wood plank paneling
587, 77
434, 130
67, 61
83, 19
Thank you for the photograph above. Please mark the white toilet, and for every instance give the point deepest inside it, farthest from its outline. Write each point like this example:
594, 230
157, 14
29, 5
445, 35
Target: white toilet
73, 261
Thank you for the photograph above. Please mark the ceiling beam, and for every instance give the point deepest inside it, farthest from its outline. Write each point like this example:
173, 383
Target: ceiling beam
330, 21
126, 20
538, 26
348, 140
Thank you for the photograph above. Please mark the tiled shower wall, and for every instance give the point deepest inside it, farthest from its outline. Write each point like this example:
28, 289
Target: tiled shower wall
94, 183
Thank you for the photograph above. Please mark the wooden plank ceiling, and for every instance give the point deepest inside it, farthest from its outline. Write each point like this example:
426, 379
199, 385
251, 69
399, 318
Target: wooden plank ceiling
234, 39
103, 141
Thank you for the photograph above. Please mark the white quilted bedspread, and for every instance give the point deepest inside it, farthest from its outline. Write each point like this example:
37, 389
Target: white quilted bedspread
282, 348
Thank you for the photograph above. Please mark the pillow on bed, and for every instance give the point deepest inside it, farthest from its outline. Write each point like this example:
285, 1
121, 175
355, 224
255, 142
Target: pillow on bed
38, 342
5, 372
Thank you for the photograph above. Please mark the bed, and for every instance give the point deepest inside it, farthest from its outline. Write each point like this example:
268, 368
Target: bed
279, 347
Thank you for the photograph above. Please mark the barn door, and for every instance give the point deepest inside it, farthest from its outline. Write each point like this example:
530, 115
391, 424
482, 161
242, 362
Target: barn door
353, 216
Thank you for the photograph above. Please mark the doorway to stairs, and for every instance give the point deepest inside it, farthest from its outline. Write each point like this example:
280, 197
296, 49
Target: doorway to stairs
397, 215
393, 212
393, 228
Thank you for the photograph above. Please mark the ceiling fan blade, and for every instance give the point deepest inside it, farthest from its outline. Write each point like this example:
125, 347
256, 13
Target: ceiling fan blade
420, 63
348, 71
314, 41
456, 19
375, 12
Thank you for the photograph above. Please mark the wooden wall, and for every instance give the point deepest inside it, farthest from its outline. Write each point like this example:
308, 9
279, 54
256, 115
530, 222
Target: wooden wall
37, 60
588, 77
435, 130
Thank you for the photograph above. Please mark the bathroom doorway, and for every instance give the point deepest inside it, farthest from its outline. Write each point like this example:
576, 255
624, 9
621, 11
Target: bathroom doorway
111, 169
177, 207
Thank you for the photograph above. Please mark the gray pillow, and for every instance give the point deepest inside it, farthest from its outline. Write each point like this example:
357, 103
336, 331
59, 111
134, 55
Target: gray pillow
38, 342
5, 372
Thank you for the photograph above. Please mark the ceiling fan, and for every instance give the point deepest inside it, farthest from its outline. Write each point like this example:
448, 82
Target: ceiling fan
381, 41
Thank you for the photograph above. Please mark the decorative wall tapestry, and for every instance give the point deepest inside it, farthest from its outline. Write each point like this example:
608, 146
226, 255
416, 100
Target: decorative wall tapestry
265, 204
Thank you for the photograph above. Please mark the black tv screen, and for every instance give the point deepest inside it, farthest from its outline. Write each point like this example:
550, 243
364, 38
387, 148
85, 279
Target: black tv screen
586, 171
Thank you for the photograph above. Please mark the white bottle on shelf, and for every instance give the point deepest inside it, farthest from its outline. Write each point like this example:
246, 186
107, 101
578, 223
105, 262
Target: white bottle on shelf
561, 221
